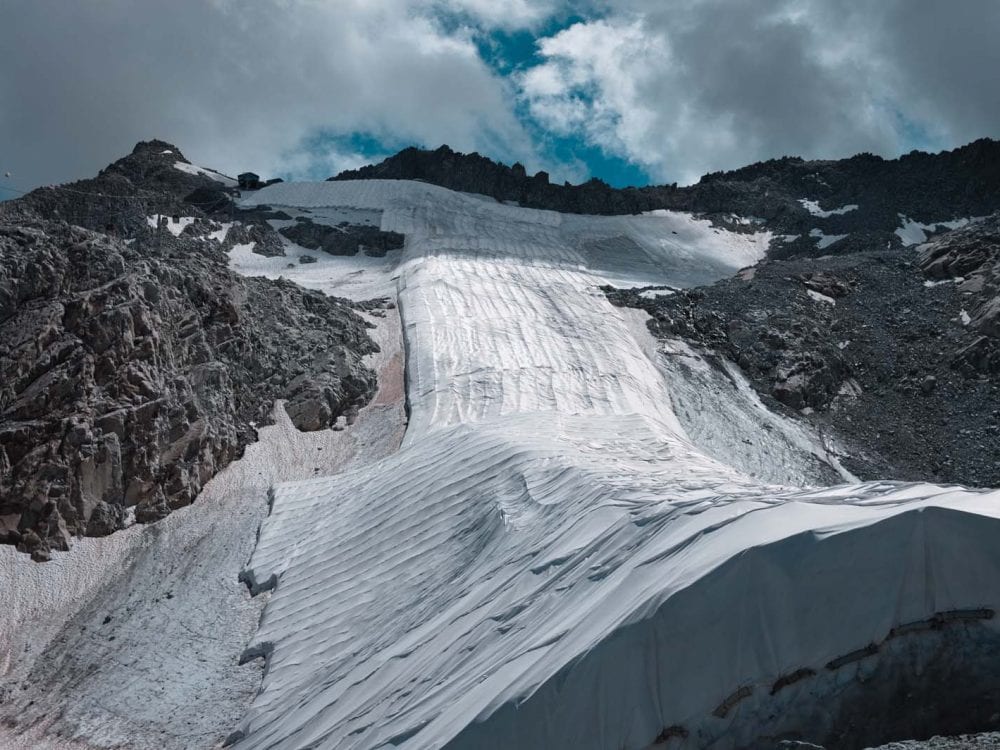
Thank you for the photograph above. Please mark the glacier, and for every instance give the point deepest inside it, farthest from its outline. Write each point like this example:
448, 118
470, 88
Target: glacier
586, 540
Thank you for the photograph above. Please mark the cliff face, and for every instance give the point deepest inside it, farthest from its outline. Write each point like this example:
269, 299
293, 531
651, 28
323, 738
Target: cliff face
133, 370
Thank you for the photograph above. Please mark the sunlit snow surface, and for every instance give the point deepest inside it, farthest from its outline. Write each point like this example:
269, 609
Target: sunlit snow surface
550, 561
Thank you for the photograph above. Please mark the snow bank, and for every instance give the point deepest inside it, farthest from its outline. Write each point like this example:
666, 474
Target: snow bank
551, 561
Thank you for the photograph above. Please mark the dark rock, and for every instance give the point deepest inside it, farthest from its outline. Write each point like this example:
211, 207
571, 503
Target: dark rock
131, 373
265, 240
344, 239
889, 369
209, 199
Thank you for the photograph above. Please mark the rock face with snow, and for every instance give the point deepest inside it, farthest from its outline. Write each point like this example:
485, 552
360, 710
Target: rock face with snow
969, 257
589, 537
345, 239
861, 201
131, 374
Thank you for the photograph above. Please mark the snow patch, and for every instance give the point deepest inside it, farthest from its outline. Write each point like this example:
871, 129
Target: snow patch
818, 297
825, 240
813, 208
914, 232
930, 283
210, 173
174, 227
357, 277
654, 293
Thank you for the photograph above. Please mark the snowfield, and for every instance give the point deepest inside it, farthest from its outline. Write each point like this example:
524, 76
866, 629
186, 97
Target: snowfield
588, 540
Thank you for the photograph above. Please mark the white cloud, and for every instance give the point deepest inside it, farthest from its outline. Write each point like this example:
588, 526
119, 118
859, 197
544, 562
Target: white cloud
510, 14
238, 85
692, 86
678, 88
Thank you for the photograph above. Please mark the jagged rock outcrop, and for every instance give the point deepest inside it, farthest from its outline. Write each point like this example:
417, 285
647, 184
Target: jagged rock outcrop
969, 257
147, 183
131, 373
924, 187
345, 239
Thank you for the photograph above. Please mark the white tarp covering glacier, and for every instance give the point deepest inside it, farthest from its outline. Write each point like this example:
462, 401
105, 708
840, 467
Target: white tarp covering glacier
550, 561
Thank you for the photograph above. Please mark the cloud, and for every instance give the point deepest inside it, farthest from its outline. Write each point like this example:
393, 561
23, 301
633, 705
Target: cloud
592, 82
237, 85
508, 15
676, 89
700, 85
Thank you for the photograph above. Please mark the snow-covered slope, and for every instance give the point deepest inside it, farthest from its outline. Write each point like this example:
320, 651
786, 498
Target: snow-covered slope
551, 561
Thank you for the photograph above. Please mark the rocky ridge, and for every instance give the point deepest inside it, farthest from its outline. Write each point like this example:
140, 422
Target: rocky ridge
800, 201
134, 365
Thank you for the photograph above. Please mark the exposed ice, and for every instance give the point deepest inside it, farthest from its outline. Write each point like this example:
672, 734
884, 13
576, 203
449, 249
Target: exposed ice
813, 208
555, 559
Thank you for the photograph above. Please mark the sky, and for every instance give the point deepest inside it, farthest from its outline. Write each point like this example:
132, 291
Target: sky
629, 91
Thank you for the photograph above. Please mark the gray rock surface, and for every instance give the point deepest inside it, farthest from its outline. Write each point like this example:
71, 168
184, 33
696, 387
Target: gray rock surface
970, 258
345, 239
983, 741
131, 373
861, 346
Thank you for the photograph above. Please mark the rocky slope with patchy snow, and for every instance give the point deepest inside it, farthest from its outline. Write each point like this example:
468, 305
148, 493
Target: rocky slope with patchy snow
894, 352
861, 203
